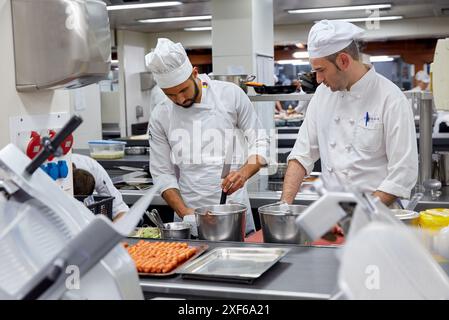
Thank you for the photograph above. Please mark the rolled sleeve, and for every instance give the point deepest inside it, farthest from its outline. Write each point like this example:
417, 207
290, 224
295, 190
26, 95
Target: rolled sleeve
167, 181
248, 121
306, 150
161, 167
401, 150
394, 189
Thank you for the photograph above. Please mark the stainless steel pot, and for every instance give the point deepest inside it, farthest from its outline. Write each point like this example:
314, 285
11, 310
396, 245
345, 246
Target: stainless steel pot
239, 80
224, 222
175, 230
137, 150
279, 223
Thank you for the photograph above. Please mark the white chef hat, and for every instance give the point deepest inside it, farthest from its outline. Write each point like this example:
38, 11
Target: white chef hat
169, 63
422, 76
328, 37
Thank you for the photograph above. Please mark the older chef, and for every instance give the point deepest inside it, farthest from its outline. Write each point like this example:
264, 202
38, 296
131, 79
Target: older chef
358, 123
189, 131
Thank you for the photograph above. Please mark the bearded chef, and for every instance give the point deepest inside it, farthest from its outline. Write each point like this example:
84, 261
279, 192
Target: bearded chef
358, 123
191, 131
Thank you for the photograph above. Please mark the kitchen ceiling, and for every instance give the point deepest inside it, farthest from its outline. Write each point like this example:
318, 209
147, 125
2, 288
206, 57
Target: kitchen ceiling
127, 19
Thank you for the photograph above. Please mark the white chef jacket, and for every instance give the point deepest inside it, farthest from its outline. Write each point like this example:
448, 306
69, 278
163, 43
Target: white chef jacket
174, 143
156, 97
365, 137
103, 183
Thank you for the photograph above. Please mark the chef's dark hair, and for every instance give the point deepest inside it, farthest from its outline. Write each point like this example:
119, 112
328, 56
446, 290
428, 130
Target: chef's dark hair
83, 182
352, 50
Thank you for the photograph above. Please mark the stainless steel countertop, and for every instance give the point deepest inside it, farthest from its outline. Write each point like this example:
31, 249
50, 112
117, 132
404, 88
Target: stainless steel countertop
304, 273
260, 198
138, 161
257, 198
440, 202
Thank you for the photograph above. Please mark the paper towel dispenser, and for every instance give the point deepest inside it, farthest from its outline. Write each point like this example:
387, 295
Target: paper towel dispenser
147, 81
60, 43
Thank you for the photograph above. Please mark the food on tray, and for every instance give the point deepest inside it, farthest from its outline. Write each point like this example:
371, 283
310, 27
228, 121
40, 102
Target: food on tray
159, 257
254, 84
147, 233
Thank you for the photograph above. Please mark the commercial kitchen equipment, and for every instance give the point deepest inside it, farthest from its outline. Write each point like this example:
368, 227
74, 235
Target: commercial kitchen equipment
51, 243
60, 43
387, 243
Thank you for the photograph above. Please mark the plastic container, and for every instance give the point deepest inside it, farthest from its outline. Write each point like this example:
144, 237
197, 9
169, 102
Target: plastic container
434, 219
102, 205
107, 149
408, 217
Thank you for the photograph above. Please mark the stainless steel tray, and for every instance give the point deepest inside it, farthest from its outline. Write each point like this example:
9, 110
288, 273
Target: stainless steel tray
233, 264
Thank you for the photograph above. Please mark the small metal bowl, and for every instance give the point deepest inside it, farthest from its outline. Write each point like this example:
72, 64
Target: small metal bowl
135, 150
175, 230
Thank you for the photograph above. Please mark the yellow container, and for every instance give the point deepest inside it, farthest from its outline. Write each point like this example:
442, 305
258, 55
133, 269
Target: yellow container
434, 219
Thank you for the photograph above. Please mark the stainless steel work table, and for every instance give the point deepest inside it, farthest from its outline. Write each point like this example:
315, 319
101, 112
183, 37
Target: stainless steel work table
304, 273
256, 198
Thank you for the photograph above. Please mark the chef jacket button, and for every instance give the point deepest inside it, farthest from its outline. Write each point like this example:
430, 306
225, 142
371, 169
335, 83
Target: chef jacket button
333, 144
337, 119
345, 172
330, 169
348, 147
351, 121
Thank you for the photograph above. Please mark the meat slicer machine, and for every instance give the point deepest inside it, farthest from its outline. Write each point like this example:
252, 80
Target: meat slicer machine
382, 258
51, 245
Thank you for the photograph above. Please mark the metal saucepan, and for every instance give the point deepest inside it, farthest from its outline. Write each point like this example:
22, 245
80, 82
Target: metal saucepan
278, 223
136, 150
172, 230
239, 80
225, 222
175, 230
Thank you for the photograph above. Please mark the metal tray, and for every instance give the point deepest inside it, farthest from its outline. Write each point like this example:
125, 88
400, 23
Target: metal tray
200, 250
233, 264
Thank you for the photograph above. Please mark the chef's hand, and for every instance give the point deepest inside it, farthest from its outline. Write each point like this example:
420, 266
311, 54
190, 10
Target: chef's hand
186, 211
234, 181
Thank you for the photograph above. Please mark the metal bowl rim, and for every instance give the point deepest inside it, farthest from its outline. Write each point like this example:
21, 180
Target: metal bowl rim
186, 226
204, 211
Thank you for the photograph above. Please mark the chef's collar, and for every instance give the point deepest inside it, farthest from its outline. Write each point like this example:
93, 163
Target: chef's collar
205, 85
360, 86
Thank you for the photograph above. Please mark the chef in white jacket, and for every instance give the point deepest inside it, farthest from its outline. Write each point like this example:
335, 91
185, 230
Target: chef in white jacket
358, 123
422, 81
102, 185
190, 132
